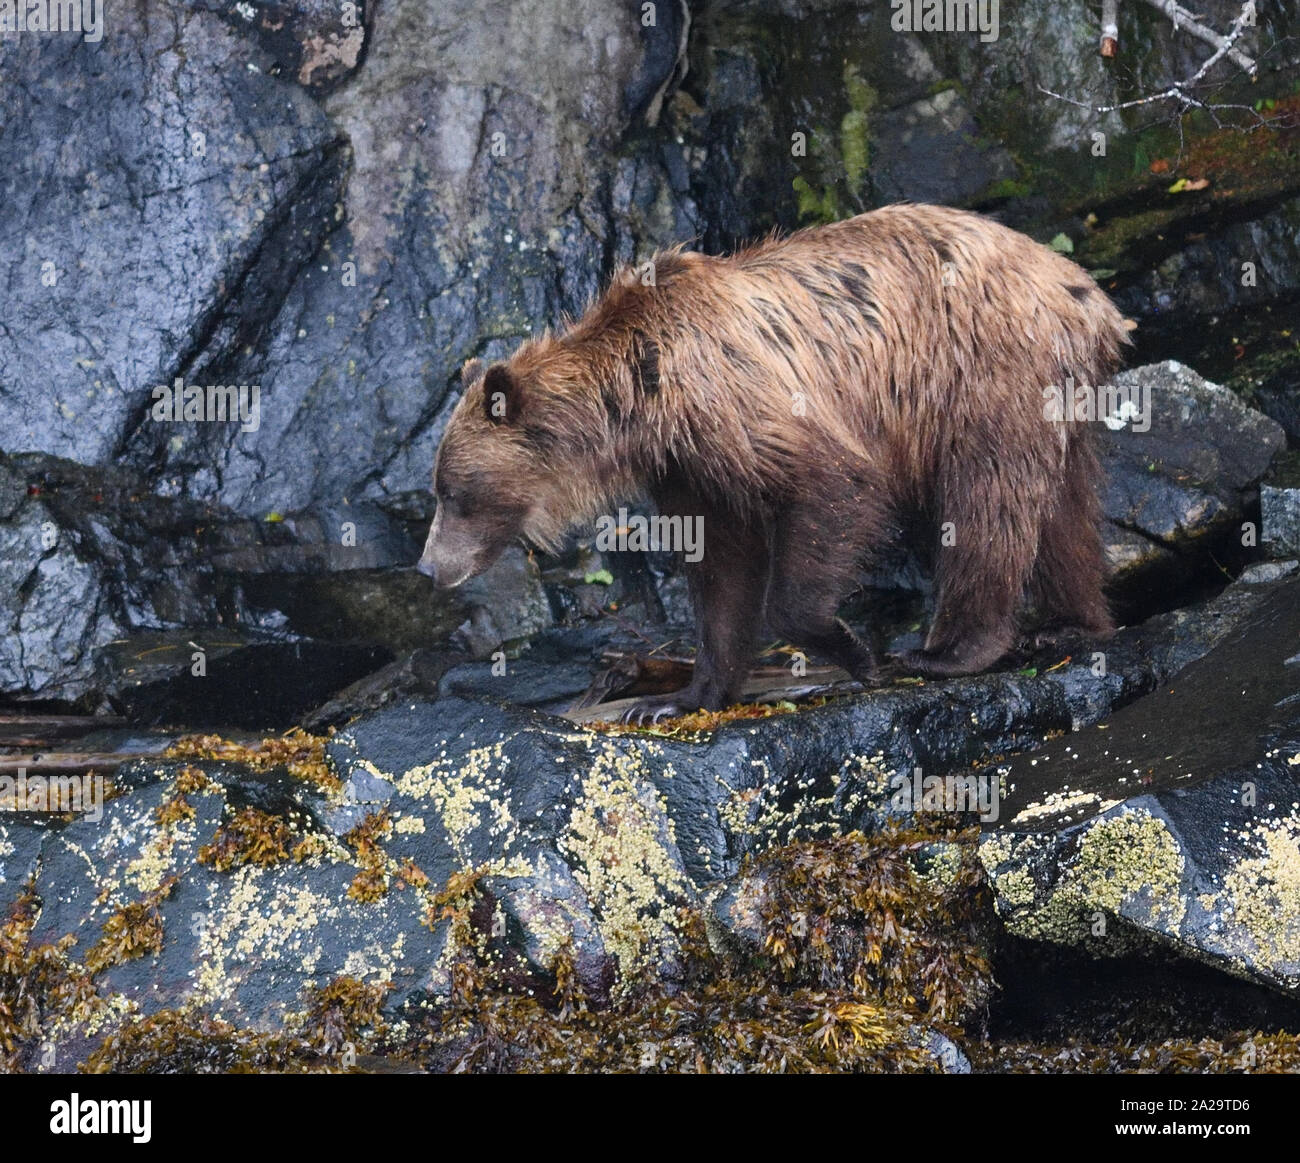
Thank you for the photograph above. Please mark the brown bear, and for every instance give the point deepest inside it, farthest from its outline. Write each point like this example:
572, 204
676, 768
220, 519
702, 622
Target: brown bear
804, 398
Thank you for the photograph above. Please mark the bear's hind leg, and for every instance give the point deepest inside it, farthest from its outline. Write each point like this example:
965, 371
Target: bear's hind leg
1070, 567
990, 521
816, 554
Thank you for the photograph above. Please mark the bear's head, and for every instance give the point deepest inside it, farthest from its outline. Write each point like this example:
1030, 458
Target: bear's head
524, 455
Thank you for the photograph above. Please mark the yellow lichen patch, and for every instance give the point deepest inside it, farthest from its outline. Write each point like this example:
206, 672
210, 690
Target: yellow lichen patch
1262, 893
618, 840
1129, 855
787, 810
147, 872
1016, 889
1122, 863
465, 792
259, 917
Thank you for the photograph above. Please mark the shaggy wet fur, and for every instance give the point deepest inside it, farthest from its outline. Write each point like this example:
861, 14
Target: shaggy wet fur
804, 397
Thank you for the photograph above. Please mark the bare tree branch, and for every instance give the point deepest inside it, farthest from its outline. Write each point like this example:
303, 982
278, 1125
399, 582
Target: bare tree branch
1182, 18
1181, 92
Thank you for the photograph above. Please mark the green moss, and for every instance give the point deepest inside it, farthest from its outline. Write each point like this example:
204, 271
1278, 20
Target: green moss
816, 206
1008, 188
855, 128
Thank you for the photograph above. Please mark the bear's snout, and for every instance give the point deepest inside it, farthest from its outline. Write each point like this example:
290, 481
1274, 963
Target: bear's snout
451, 554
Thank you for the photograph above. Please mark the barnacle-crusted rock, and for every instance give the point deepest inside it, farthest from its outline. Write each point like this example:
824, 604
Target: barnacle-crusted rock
441, 853
1175, 823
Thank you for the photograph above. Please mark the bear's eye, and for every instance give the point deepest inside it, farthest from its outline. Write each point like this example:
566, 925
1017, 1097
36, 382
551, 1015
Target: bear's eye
456, 503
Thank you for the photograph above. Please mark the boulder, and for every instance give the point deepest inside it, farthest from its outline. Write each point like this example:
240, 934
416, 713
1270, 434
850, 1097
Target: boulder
1174, 824
929, 152
1181, 478
478, 208
112, 588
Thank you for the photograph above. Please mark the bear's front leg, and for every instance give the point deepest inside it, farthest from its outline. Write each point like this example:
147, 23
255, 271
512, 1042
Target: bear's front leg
727, 585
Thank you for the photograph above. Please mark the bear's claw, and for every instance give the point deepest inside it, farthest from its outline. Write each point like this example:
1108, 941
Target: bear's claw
647, 712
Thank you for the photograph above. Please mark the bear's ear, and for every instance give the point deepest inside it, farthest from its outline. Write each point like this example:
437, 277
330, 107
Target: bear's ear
471, 371
502, 395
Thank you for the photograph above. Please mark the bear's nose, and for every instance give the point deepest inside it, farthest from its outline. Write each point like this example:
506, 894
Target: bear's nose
429, 570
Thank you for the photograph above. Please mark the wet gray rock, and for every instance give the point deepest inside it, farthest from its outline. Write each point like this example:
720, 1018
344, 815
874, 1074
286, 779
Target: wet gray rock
248, 939
1278, 397
1279, 503
1188, 483
825, 769
21, 838
480, 203
507, 603
1244, 264
243, 941
117, 178
929, 152
1174, 824
525, 683
560, 838
478, 208
318, 43
111, 588
93, 559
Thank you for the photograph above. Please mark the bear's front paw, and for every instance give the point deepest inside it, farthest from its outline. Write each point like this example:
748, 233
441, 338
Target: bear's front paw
647, 711
914, 663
